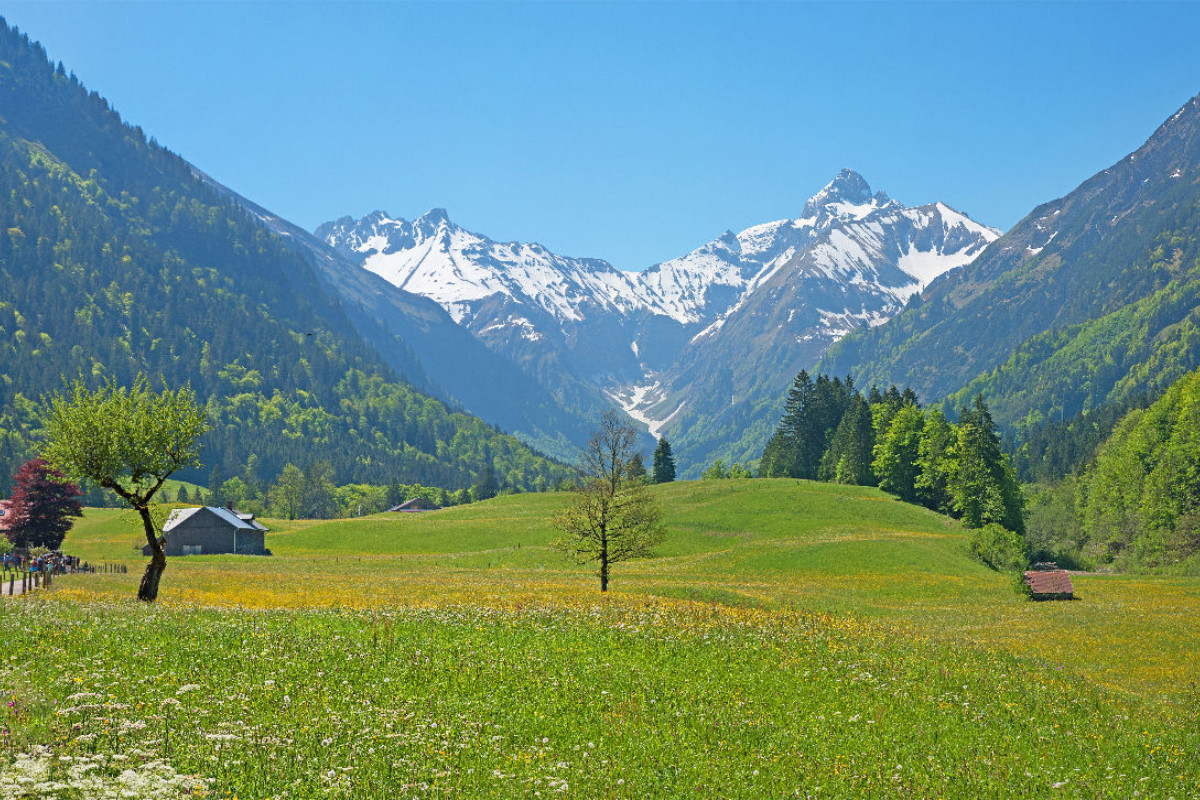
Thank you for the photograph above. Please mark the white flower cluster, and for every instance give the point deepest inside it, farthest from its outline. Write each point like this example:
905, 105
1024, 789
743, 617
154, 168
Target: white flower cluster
39, 774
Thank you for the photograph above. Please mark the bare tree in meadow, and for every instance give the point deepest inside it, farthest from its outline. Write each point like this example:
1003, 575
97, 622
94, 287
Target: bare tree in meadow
612, 517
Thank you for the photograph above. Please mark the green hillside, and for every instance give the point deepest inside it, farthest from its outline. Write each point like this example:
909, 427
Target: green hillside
116, 259
791, 639
1137, 506
763, 543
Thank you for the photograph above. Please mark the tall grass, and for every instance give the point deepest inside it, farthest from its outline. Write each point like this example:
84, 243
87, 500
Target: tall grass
792, 639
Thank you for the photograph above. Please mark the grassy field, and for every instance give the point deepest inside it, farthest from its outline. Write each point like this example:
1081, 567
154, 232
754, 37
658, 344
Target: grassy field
791, 639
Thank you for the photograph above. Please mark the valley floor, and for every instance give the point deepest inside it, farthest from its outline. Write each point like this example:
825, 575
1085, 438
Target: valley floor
792, 640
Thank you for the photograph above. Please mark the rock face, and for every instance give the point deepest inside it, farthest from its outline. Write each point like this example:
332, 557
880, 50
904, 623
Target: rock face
699, 348
1091, 298
852, 260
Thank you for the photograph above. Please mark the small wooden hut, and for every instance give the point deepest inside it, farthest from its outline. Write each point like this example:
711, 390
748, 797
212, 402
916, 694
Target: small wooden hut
1050, 584
208, 530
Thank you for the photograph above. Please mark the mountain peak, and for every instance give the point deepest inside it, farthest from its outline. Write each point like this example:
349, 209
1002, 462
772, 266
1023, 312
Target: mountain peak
846, 187
435, 216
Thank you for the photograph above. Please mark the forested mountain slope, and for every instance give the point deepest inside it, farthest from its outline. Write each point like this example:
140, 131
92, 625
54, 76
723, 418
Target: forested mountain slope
454, 365
116, 259
1091, 298
1136, 505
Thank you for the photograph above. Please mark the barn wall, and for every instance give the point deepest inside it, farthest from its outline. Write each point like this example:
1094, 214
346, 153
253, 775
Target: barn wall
213, 535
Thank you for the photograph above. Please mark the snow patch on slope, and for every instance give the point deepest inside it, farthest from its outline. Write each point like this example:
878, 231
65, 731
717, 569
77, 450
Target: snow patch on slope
635, 400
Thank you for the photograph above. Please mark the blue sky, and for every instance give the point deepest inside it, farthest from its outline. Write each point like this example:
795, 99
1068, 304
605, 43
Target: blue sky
633, 132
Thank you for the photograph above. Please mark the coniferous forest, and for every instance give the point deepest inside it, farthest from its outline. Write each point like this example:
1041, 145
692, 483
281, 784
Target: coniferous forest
831, 432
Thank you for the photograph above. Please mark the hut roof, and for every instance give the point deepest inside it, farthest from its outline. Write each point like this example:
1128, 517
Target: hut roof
1049, 582
415, 504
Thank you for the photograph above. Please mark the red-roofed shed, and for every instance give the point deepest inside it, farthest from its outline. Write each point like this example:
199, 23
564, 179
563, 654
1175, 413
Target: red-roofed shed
1050, 584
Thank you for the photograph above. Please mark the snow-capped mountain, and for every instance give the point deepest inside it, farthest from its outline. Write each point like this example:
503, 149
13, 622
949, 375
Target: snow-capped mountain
434, 257
852, 259
558, 317
747, 310
853, 235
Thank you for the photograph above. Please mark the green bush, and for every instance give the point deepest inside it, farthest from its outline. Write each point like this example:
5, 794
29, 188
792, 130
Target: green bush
999, 548
1020, 586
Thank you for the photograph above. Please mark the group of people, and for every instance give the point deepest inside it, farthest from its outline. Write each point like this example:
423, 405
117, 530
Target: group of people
55, 563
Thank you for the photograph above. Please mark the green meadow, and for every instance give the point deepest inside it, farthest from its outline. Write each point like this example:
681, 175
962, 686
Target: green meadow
791, 639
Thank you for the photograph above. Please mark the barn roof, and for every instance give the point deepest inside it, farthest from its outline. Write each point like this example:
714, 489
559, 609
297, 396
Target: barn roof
1049, 582
415, 504
225, 515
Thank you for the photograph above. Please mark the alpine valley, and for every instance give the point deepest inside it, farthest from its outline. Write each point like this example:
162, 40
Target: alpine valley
700, 348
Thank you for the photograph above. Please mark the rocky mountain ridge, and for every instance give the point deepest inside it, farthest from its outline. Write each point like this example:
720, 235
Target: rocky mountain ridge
591, 333
1092, 298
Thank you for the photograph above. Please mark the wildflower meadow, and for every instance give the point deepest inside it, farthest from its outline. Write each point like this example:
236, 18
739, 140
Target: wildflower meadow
849, 651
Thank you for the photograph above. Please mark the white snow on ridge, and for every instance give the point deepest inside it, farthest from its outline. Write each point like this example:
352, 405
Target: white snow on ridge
845, 234
435, 258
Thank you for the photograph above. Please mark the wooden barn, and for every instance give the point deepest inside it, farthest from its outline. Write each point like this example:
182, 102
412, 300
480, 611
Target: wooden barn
209, 530
1050, 584
416, 504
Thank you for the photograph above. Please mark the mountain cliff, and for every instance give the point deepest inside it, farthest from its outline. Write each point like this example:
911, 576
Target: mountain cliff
681, 343
1091, 298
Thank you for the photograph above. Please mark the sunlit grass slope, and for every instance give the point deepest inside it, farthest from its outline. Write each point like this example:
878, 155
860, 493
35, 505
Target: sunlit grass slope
756, 543
790, 639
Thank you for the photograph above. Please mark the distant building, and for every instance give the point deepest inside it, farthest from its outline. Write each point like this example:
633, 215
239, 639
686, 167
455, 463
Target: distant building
209, 530
5, 514
416, 504
1049, 584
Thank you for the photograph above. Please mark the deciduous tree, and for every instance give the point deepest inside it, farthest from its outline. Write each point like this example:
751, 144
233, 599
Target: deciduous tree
127, 440
43, 502
287, 494
898, 454
612, 517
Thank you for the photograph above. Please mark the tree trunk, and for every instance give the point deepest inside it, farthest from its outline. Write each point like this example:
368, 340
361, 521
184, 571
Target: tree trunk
148, 591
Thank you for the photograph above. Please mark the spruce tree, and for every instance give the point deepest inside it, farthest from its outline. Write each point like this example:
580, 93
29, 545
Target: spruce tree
664, 462
486, 487
983, 485
781, 456
812, 412
637, 468
848, 458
